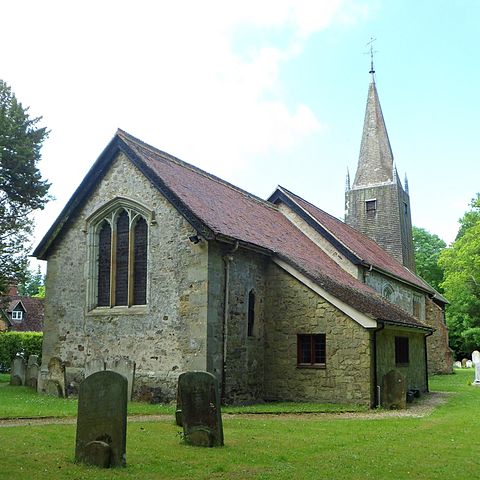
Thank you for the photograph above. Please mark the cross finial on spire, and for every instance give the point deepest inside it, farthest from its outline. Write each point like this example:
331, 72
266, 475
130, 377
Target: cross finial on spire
372, 51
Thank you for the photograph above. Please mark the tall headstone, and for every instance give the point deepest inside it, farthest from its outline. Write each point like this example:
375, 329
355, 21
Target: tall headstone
32, 372
199, 401
94, 365
102, 420
394, 394
476, 363
125, 367
18, 371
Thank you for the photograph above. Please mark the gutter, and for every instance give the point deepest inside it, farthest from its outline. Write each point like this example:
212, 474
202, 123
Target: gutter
426, 358
227, 259
375, 376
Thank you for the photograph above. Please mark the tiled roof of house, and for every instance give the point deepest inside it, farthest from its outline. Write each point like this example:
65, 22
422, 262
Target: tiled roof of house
33, 316
365, 249
219, 210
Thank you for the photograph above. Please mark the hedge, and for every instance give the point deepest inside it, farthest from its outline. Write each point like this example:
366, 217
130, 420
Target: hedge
30, 343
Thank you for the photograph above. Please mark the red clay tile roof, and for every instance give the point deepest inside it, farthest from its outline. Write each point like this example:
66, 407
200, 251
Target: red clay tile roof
33, 316
231, 212
367, 250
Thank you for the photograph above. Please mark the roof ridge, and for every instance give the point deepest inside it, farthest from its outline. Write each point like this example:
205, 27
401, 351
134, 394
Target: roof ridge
193, 168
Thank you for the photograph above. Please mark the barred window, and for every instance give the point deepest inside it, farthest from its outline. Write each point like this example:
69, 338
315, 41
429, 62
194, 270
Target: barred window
311, 350
122, 238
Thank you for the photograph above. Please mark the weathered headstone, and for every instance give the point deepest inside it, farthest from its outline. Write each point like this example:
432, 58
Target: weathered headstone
56, 381
94, 365
33, 369
18, 371
394, 395
200, 406
457, 364
125, 367
476, 363
464, 362
469, 364
102, 420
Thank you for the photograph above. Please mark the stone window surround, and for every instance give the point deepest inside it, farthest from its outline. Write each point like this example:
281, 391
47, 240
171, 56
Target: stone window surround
109, 212
371, 205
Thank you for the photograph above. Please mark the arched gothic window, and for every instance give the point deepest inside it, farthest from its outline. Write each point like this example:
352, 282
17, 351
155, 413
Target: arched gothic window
120, 240
388, 292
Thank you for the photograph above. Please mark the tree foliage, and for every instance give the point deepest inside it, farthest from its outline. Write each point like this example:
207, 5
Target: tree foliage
428, 247
22, 189
32, 283
461, 283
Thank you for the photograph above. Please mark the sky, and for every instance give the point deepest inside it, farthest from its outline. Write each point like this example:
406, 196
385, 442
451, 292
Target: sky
260, 93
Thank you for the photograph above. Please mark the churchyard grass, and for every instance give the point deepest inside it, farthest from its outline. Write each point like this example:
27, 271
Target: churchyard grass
436, 446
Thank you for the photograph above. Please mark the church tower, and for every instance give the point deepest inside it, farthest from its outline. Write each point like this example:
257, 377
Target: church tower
376, 203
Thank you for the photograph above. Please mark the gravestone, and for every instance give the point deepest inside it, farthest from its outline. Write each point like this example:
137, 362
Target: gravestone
200, 406
94, 365
394, 395
32, 372
469, 364
102, 420
476, 363
457, 364
464, 362
125, 367
56, 381
18, 371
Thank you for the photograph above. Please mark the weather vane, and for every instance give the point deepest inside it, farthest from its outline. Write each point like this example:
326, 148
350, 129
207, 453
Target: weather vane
371, 52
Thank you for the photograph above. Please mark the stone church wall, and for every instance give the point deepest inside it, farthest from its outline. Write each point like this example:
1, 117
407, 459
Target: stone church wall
291, 309
165, 337
244, 355
440, 355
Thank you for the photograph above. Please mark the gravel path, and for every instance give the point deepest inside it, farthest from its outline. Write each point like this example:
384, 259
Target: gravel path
420, 408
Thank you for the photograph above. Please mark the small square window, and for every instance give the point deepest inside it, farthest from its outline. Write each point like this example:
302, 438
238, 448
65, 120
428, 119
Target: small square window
401, 351
17, 315
311, 350
371, 206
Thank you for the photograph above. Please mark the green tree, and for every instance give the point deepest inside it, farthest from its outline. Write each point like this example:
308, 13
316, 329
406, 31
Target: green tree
22, 189
32, 283
428, 247
461, 284
470, 218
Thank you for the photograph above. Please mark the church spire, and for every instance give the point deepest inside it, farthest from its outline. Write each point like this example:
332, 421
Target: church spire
375, 162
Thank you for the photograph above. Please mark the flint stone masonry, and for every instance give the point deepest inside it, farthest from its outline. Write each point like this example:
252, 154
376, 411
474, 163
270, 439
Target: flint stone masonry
201, 418
94, 365
18, 371
102, 420
163, 338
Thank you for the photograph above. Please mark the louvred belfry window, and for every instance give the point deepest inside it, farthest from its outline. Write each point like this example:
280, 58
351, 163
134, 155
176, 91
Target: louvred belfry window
122, 259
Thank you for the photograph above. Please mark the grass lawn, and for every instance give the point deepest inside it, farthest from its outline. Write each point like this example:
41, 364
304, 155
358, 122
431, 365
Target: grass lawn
442, 445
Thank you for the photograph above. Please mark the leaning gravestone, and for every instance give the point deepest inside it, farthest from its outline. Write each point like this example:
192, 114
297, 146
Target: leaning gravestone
394, 395
476, 363
125, 367
18, 371
102, 420
32, 372
201, 418
56, 381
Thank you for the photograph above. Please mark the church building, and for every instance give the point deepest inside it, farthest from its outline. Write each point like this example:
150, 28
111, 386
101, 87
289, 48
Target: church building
155, 260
